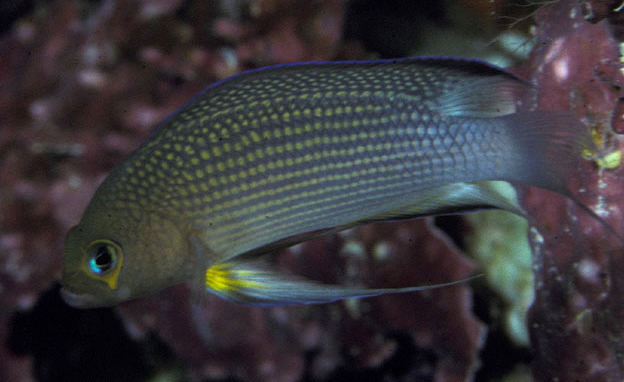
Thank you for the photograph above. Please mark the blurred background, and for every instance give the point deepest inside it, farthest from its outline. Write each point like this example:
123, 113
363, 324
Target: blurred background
84, 82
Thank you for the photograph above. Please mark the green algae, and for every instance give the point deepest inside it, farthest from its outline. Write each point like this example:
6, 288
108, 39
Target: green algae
498, 242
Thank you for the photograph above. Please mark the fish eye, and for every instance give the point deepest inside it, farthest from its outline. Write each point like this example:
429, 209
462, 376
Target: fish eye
103, 256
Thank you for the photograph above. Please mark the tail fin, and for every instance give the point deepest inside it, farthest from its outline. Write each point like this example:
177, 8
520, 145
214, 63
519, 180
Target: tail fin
548, 147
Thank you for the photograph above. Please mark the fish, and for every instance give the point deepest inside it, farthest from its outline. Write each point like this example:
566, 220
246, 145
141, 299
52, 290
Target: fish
278, 155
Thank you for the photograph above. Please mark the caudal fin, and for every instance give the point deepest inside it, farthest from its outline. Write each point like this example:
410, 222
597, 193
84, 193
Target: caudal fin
548, 148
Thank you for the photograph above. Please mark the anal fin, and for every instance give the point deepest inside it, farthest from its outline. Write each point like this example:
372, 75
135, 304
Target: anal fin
455, 198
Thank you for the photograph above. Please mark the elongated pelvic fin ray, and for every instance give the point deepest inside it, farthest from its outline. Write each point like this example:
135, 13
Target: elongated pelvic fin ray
252, 283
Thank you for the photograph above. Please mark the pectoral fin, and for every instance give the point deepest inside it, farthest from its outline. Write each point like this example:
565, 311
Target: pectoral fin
252, 283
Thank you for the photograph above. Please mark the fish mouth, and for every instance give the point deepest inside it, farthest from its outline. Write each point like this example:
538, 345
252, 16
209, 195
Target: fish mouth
76, 300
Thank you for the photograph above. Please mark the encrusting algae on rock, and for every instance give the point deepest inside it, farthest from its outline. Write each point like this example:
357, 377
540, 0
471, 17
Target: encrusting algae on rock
276, 156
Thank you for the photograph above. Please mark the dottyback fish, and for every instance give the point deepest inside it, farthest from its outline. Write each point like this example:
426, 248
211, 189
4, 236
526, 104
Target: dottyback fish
275, 156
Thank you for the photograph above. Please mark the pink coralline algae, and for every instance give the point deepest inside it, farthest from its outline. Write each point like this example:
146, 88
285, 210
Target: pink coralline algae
577, 320
85, 82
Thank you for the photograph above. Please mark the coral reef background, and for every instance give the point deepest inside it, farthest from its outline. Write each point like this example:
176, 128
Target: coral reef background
84, 82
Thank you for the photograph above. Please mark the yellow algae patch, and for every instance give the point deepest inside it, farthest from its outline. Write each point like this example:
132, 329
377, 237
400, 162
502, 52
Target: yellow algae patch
610, 161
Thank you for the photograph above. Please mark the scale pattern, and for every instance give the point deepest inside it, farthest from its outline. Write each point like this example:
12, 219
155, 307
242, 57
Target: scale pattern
298, 148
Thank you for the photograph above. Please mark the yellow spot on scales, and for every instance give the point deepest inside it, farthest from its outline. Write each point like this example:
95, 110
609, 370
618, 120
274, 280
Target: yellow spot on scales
346, 190
253, 171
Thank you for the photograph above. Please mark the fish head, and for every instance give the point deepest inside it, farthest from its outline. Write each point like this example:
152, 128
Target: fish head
117, 256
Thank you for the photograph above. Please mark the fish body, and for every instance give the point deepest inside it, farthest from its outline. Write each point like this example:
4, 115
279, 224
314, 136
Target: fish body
275, 156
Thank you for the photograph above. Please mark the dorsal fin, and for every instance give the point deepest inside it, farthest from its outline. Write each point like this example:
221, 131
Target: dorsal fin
482, 97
